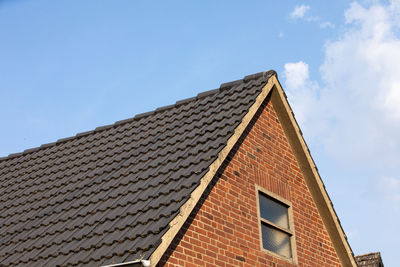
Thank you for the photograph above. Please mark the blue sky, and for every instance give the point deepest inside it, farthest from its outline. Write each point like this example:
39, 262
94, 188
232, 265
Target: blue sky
70, 66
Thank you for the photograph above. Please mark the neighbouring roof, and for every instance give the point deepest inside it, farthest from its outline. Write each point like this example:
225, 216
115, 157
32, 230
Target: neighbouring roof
370, 260
108, 195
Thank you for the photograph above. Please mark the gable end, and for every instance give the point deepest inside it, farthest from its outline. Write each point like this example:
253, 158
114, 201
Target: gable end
304, 159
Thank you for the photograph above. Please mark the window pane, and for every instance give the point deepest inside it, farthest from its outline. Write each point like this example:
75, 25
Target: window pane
276, 241
274, 211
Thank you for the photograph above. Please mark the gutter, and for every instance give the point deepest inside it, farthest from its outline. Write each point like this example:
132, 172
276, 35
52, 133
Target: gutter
136, 263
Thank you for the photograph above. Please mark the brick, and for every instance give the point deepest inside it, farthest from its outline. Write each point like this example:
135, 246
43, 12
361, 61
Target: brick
225, 230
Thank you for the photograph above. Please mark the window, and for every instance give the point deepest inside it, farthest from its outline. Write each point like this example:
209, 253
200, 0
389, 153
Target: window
276, 230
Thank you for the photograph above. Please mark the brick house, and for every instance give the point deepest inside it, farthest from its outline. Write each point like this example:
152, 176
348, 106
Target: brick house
221, 179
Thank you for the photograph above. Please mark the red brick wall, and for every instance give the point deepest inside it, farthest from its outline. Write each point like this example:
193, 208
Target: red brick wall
224, 230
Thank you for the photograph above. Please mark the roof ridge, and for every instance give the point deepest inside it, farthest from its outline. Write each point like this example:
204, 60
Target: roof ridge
224, 86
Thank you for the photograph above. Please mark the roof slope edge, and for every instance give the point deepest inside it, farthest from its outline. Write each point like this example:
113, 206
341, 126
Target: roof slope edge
188, 206
223, 86
312, 177
60, 204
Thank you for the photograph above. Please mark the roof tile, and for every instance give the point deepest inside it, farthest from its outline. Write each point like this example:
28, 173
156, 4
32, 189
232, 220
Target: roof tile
108, 195
370, 260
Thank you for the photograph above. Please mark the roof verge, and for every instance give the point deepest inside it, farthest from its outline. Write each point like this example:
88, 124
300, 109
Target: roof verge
311, 176
307, 165
186, 209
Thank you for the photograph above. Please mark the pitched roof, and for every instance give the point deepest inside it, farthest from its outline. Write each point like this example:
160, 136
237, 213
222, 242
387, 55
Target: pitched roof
370, 260
109, 195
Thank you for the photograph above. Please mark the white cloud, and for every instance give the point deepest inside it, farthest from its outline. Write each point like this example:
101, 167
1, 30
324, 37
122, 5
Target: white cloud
351, 118
326, 24
312, 18
390, 184
300, 90
296, 74
355, 112
299, 11
390, 187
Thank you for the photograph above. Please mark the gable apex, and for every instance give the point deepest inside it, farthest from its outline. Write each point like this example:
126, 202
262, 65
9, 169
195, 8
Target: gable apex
121, 193
314, 182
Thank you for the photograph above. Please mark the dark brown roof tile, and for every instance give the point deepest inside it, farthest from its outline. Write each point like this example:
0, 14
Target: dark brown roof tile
108, 195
